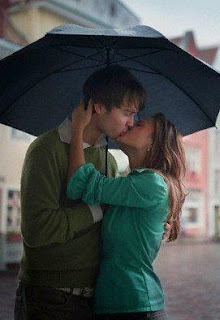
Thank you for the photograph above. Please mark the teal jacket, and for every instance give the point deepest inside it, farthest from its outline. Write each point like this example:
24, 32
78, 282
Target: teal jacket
132, 231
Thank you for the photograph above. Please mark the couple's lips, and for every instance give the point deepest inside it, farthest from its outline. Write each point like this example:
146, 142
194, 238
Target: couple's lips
122, 134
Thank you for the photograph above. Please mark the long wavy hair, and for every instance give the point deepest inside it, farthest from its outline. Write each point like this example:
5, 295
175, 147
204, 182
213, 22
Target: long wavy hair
167, 156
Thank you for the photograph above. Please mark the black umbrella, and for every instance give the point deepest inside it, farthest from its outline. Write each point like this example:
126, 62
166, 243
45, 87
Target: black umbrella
42, 82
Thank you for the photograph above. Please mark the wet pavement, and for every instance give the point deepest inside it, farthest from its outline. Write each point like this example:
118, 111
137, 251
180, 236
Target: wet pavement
190, 274
8, 284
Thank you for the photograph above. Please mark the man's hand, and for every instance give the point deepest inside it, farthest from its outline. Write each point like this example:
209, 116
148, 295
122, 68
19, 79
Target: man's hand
167, 231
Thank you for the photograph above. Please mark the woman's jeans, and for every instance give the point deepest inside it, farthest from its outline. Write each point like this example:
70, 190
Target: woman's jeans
157, 315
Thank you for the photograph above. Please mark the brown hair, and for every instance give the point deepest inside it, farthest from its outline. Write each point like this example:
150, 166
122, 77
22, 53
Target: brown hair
110, 85
167, 156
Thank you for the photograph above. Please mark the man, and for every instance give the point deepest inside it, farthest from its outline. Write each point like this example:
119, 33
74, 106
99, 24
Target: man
60, 237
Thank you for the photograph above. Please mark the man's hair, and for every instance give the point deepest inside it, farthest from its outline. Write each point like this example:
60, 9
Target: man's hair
111, 85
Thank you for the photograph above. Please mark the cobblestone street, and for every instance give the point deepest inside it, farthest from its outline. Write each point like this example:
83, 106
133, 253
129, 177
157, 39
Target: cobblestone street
190, 274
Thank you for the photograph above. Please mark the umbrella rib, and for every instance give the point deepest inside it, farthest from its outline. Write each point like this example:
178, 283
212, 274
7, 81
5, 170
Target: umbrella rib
97, 51
103, 45
78, 55
159, 73
83, 68
144, 71
139, 56
31, 86
97, 40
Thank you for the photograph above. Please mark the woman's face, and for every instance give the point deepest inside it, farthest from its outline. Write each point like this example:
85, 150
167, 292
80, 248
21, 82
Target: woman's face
139, 137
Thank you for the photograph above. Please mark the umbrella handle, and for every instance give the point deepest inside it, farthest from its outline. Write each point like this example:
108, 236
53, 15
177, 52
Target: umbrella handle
86, 101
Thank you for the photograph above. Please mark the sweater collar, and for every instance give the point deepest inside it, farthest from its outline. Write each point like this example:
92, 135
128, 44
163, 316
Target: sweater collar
64, 131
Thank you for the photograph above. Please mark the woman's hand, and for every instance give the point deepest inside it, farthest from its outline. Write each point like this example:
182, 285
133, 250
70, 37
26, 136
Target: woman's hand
80, 116
167, 231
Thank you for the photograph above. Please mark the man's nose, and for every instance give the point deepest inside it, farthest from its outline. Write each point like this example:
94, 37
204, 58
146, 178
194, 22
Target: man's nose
130, 122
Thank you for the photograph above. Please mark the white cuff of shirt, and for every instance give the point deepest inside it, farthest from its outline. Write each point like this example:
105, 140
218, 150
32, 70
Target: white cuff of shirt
96, 212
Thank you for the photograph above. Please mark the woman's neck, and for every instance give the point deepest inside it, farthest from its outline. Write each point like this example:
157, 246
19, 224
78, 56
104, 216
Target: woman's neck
136, 160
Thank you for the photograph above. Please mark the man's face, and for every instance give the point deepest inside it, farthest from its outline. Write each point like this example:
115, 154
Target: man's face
116, 122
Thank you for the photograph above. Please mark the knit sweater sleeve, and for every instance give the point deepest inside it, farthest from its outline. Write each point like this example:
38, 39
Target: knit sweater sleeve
140, 189
46, 217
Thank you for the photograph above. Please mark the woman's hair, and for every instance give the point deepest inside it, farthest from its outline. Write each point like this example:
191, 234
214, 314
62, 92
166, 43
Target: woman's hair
167, 156
110, 85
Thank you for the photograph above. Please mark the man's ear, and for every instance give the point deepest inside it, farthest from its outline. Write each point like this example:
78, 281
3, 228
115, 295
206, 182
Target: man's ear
98, 107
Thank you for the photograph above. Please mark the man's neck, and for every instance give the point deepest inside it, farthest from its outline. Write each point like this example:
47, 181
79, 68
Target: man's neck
91, 134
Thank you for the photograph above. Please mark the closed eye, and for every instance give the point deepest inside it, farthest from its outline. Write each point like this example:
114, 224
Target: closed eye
138, 124
129, 114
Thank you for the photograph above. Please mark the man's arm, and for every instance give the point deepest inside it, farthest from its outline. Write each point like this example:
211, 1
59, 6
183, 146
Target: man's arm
45, 218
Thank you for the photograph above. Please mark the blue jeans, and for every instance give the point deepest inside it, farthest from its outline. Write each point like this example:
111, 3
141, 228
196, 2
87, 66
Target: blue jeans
43, 303
157, 315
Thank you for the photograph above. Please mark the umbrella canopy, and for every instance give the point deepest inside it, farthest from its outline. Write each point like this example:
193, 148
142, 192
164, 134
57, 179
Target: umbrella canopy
41, 83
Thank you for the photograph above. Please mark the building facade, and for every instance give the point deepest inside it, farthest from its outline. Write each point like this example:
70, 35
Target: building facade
41, 16
214, 183
214, 172
201, 211
195, 211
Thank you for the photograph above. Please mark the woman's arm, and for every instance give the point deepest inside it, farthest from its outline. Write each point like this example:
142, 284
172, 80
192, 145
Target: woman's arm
80, 119
140, 189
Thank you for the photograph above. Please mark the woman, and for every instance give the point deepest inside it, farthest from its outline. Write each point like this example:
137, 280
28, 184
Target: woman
139, 205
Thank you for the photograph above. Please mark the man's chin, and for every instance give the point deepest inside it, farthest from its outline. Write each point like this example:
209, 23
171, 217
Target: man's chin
119, 143
116, 137
120, 136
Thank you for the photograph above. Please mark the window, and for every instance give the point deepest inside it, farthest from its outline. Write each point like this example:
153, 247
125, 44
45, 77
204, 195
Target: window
190, 215
0, 202
194, 196
13, 211
217, 182
17, 134
217, 211
113, 9
217, 141
193, 158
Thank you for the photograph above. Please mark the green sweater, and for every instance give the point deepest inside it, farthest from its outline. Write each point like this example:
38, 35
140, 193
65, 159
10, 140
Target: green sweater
61, 241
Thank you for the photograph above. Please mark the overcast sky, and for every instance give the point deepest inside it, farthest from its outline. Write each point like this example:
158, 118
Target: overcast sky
175, 17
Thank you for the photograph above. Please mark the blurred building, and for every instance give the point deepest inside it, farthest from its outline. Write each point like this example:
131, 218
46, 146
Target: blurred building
22, 22
201, 213
214, 183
